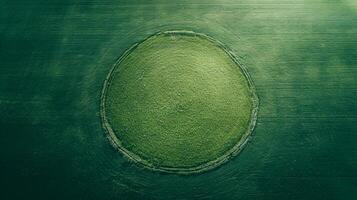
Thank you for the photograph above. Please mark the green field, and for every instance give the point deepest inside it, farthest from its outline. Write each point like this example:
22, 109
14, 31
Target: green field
55, 56
178, 101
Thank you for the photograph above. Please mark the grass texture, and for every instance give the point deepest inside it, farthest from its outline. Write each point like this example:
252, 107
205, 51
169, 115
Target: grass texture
178, 100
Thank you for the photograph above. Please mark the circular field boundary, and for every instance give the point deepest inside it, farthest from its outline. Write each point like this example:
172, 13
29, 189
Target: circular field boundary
117, 144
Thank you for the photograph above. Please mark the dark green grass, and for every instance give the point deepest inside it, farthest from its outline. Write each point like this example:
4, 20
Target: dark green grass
55, 55
178, 101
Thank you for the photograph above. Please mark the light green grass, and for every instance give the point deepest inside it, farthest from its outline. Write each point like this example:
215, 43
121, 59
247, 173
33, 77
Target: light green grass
178, 100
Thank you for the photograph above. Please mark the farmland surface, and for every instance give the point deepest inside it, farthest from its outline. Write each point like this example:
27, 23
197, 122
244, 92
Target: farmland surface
55, 56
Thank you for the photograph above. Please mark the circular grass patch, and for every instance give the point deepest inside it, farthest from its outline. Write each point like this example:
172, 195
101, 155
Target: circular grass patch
178, 102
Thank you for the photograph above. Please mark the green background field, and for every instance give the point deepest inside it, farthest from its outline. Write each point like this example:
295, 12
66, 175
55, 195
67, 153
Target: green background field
55, 55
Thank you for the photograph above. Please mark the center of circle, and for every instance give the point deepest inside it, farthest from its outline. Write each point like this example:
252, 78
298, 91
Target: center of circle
178, 102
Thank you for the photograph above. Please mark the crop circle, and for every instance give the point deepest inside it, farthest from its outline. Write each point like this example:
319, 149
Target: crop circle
180, 102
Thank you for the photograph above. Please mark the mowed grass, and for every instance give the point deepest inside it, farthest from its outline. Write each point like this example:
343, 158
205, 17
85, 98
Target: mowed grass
178, 101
